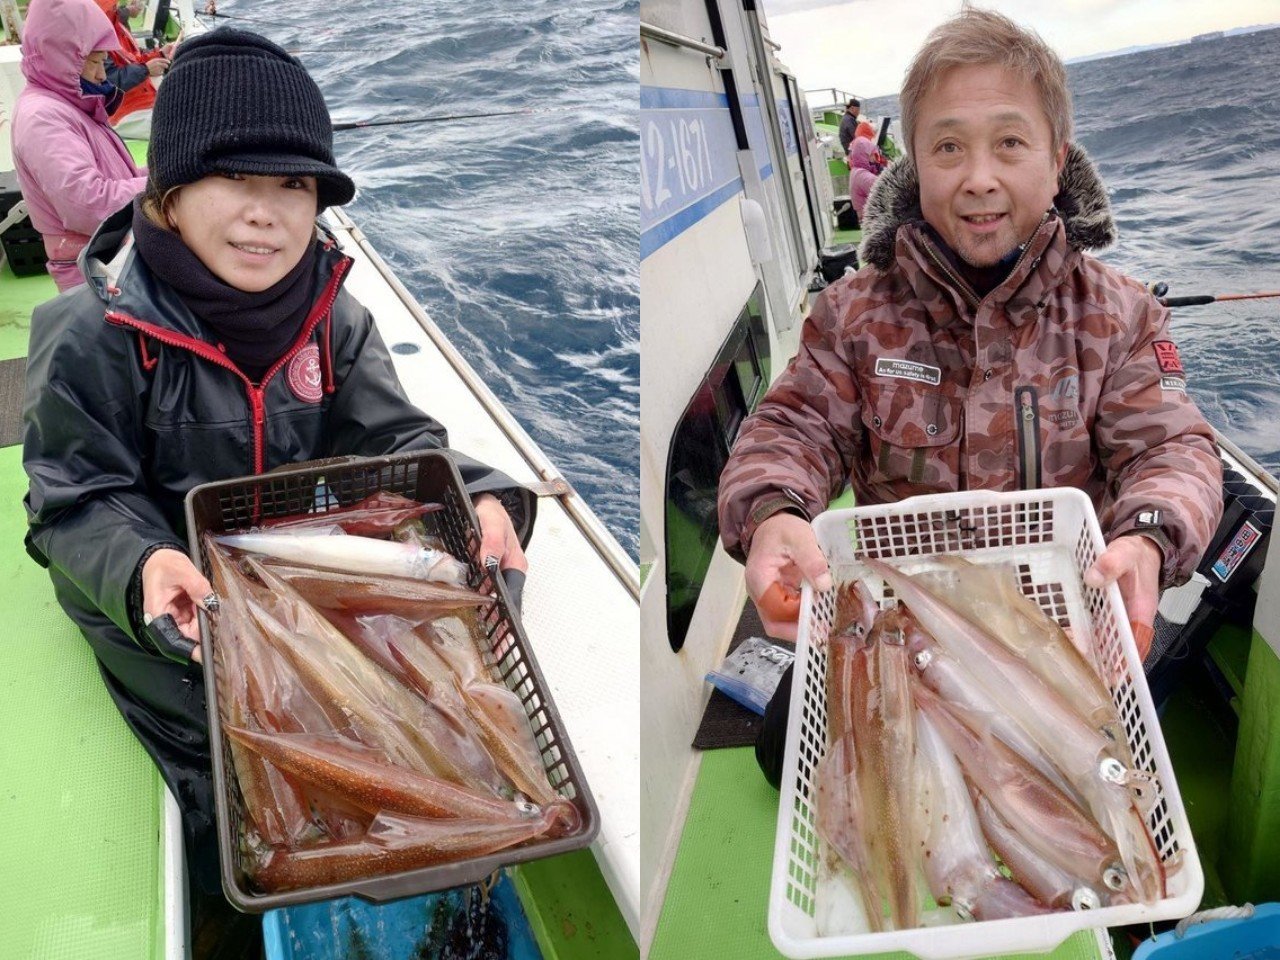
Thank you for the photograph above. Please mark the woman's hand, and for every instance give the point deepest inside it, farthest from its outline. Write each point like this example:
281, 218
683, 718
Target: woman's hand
498, 535
171, 584
157, 67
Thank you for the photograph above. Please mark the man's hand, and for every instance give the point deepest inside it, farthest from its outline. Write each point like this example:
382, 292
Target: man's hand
1135, 562
157, 67
498, 535
784, 551
171, 584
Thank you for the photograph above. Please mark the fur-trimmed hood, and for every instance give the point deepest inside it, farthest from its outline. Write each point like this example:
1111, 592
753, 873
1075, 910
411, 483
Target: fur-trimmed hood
1081, 203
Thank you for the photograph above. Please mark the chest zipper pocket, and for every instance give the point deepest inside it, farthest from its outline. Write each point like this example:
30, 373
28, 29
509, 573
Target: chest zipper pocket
1027, 417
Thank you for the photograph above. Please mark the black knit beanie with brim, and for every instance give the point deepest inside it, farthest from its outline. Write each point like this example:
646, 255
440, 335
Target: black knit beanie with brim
234, 102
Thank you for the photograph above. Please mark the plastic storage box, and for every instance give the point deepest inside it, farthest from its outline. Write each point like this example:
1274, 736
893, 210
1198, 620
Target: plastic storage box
24, 249
427, 926
23, 246
1246, 938
1053, 537
428, 477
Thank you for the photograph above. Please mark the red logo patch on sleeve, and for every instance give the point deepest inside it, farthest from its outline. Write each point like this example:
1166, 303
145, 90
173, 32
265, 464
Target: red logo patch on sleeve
1167, 356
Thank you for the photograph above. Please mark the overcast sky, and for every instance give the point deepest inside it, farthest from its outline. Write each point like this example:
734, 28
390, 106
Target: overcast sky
863, 46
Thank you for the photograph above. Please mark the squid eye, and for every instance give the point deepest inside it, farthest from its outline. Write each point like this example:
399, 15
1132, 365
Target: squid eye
1082, 898
1115, 878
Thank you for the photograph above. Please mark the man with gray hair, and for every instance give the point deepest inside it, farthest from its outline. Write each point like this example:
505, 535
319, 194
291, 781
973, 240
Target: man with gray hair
980, 346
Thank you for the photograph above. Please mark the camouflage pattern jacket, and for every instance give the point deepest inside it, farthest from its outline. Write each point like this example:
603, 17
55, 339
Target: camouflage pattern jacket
906, 382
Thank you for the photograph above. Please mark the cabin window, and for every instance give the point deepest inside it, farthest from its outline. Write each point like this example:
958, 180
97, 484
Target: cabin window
699, 450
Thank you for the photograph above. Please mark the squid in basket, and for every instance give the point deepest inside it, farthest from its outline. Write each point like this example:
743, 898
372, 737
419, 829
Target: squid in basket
972, 744
366, 733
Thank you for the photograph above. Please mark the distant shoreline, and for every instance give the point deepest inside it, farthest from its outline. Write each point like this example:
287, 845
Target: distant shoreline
1126, 51
1215, 35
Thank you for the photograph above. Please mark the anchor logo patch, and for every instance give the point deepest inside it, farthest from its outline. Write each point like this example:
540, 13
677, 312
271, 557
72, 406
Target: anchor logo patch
303, 374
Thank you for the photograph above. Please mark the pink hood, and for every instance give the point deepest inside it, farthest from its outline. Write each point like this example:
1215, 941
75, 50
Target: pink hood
862, 155
56, 39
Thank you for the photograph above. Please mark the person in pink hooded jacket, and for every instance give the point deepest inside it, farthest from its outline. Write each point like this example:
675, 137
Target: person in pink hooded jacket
865, 164
74, 171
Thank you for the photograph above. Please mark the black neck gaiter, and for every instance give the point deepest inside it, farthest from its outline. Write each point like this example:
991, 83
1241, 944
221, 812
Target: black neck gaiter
982, 279
254, 329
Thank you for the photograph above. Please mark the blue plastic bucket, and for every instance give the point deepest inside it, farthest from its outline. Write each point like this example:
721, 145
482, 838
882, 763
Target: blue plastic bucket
1252, 938
452, 923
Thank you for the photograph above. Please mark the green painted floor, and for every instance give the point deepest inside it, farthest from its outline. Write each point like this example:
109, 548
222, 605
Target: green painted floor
80, 802
138, 149
717, 901
846, 236
18, 297
1202, 747
571, 911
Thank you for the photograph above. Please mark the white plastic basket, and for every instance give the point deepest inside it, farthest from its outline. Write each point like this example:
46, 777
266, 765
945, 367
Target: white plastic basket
1053, 537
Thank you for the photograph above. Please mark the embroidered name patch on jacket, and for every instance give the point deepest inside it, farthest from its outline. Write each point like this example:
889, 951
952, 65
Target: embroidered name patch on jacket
908, 370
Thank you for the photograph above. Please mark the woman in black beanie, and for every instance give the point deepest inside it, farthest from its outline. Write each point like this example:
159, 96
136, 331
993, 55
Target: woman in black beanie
213, 339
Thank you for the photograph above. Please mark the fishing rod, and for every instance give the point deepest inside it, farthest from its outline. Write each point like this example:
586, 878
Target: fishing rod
361, 124
308, 51
232, 16
1160, 289
442, 118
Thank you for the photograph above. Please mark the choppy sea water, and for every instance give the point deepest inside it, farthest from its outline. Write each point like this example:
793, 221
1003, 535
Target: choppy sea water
519, 234
1187, 140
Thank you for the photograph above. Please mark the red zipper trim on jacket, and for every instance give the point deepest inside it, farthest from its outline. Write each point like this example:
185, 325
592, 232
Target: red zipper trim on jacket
318, 313
256, 392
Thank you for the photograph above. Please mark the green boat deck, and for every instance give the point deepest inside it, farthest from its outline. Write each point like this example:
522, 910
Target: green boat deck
81, 811
82, 806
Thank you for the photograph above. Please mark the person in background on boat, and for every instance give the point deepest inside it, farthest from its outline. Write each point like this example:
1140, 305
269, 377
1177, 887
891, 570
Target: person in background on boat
866, 162
849, 123
980, 347
72, 168
132, 70
214, 339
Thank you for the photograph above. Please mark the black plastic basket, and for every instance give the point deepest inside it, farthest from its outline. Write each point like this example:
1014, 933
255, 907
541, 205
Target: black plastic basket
428, 477
24, 249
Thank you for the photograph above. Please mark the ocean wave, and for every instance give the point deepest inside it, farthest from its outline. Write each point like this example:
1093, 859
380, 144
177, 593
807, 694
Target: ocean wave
518, 233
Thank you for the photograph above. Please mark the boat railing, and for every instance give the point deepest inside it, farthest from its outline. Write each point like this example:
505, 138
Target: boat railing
10, 22
655, 32
552, 481
837, 97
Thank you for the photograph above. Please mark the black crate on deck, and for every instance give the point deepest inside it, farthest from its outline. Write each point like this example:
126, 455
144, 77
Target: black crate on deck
22, 243
1231, 564
833, 261
428, 477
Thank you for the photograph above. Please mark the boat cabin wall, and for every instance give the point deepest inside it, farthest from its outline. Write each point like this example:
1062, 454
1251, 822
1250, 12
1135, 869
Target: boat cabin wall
707, 170
806, 164
779, 110
696, 273
11, 83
